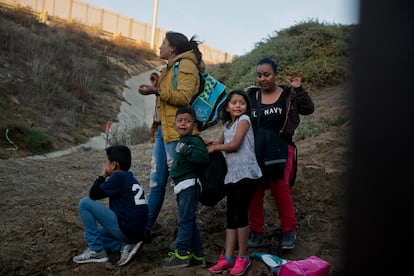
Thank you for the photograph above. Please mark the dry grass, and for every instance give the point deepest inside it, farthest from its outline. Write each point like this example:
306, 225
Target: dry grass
59, 81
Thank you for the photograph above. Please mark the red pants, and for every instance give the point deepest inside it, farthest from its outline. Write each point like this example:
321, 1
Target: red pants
281, 192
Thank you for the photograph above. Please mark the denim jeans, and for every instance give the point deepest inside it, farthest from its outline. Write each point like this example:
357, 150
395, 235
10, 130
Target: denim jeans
108, 235
162, 157
188, 237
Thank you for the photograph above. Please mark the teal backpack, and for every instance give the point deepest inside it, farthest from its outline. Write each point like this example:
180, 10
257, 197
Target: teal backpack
208, 102
272, 262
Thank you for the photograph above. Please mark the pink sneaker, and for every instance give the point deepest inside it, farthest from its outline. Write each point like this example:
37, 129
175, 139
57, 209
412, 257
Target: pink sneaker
221, 265
240, 266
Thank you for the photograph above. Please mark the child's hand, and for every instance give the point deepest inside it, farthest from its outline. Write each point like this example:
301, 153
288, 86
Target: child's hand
210, 147
154, 79
104, 173
145, 89
180, 147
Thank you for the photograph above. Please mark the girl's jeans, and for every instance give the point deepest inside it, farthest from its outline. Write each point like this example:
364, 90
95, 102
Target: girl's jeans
188, 237
108, 235
162, 157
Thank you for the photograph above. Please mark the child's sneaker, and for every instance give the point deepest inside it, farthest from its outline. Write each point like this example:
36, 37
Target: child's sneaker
128, 251
177, 260
240, 266
255, 239
221, 265
198, 259
91, 256
288, 240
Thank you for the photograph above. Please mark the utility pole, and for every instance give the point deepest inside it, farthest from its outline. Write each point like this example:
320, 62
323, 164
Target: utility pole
154, 23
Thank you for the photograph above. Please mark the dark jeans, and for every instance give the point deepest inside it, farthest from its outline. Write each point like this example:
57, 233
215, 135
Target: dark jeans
188, 238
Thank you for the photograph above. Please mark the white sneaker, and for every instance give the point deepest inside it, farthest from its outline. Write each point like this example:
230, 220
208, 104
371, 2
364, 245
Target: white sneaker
128, 251
90, 256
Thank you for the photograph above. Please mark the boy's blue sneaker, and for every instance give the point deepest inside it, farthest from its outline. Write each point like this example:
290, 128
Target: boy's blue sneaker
177, 260
198, 259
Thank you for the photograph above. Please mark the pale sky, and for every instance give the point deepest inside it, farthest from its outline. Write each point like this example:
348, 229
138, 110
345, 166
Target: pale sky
233, 26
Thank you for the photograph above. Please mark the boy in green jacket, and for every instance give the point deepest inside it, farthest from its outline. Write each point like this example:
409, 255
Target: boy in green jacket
190, 153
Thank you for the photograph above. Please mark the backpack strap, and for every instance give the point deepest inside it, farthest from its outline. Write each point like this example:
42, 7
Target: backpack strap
258, 109
203, 76
176, 65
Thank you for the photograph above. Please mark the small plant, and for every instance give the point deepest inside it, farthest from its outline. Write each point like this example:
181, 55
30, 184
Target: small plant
127, 136
337, 122
79, 137
307, 129
22, 138
37, 142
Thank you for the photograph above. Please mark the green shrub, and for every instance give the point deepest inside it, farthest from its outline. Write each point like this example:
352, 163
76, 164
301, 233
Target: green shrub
37, 142
321, 52
22, 138
337, 122
307, 129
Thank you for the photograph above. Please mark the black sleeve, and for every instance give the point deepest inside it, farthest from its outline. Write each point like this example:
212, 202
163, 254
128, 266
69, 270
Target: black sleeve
96, 192
304, 102
299, 90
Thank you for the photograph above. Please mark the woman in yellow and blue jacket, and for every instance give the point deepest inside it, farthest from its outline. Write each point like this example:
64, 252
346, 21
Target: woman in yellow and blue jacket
175, 48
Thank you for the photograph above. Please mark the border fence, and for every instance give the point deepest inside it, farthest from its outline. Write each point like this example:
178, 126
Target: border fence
108, 23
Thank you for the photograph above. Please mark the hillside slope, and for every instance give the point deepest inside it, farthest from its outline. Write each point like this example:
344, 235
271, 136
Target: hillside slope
59, 84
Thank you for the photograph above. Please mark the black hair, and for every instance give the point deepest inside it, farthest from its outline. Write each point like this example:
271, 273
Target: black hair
225, 116
270, 61
186, 110
120, 154
182, 44
252, 90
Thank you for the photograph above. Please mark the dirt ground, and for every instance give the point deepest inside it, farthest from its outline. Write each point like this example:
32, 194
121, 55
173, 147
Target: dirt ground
40, 229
